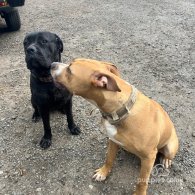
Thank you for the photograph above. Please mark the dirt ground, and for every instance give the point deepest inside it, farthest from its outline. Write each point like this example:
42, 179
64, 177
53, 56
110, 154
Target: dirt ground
153, 44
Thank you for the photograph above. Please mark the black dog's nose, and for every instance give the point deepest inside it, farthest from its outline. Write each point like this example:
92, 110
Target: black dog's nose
31, 50
54, 65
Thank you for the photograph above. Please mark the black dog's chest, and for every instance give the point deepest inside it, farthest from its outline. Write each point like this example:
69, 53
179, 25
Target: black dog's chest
49, 95
60, 94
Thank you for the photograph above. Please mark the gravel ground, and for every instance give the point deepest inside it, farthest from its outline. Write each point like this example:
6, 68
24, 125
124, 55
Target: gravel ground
153, 44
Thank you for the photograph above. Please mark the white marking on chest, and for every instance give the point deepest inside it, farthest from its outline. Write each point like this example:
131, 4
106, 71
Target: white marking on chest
111, 132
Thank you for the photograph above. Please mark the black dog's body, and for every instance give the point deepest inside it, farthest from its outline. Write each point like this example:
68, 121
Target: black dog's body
41, 49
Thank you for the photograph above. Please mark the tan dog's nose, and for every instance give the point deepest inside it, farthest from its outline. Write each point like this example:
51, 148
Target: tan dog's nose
54, 65
57, 68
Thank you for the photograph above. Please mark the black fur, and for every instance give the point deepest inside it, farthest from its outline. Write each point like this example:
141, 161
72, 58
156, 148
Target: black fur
41, 49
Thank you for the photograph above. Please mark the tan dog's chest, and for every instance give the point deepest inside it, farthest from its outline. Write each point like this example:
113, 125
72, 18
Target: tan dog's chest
121, 139
111, 131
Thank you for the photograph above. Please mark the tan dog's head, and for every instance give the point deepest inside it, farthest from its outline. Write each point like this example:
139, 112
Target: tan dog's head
84, 75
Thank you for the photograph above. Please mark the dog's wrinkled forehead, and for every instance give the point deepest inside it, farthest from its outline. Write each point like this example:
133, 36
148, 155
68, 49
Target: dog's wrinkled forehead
40, 36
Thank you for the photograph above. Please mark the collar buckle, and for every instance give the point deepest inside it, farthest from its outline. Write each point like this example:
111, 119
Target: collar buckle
127, 109
115, 116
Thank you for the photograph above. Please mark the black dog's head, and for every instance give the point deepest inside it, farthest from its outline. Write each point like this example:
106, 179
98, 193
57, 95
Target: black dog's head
41, 49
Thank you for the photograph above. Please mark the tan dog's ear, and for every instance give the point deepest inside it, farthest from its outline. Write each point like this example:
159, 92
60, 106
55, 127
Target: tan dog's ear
112, 68
104, 81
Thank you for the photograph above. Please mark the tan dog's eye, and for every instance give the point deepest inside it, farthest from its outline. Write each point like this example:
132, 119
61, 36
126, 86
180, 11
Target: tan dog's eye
68, 70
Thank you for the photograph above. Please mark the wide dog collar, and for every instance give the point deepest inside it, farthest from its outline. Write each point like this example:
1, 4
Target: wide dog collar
48, 79
116, 116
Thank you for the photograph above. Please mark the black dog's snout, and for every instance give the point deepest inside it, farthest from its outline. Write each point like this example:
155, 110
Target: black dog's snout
54, 65
31, 50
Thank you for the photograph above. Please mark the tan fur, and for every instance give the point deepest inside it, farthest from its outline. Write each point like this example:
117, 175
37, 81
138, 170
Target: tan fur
148, 128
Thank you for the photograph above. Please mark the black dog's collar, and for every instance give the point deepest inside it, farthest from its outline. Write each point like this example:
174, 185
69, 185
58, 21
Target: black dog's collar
116, 116
48, 79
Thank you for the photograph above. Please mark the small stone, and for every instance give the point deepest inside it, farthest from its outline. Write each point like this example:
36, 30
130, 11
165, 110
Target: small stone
193, 189
1, 172
15, 173
184, 179
13, 117
177, 169
38, 189
2, 186
91, 187
193, 134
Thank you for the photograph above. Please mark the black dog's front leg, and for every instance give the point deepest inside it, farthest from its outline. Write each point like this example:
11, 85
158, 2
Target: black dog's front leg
46, 139
36, 116
71, 125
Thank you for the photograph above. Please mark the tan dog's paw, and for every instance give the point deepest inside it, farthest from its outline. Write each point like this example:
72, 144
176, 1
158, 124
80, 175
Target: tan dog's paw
101, 174
166, 163
139, 193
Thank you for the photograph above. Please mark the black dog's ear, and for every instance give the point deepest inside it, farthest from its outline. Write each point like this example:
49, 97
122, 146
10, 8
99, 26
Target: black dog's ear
60, 43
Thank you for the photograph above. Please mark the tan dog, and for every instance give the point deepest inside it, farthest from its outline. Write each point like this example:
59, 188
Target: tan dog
132, 120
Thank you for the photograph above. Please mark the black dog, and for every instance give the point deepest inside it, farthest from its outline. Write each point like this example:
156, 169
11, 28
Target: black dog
41, 49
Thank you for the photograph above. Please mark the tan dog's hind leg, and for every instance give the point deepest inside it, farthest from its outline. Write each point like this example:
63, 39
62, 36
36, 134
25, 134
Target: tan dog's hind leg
102, 173
146, 168
169, 150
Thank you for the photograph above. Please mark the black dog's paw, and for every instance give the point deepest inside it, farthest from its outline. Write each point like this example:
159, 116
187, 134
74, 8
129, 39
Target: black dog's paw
45, 143
36, 117
75, 130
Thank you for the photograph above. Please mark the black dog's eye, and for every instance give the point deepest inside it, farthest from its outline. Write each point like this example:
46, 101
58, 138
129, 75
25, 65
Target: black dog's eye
44, 41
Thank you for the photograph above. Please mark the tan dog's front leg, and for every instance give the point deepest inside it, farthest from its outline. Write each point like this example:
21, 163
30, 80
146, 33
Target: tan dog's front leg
102, 173
146, 168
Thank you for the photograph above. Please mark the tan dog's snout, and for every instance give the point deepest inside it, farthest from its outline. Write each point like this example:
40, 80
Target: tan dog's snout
54, 65
57, 68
